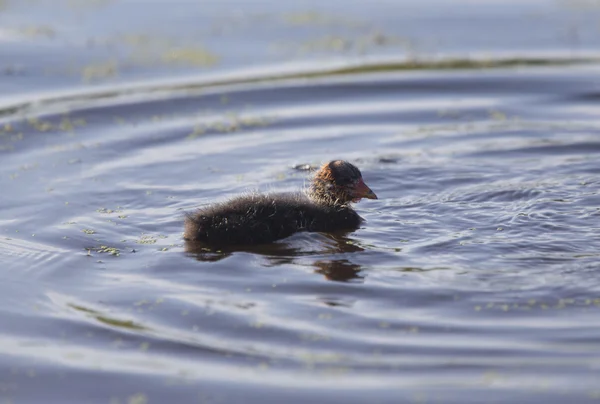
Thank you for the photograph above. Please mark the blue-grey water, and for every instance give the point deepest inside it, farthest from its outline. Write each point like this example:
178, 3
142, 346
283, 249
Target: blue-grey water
475, 279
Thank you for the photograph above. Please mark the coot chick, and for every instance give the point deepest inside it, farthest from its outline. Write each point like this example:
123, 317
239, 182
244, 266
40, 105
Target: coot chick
264, 218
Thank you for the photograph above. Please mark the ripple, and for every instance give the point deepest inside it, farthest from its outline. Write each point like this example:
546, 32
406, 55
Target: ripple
476, 268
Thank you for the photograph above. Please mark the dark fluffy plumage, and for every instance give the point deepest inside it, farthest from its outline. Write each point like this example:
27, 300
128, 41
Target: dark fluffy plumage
264, 218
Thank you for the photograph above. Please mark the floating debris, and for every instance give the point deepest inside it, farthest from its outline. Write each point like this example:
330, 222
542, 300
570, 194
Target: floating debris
147, 239
108, 250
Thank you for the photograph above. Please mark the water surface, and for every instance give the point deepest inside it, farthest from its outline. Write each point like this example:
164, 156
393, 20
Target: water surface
474, 279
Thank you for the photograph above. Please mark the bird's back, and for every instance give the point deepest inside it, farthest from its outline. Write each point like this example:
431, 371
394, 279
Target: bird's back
263, 218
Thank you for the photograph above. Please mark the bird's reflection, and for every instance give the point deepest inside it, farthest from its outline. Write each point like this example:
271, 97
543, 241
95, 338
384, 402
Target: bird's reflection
280, 253
340, 270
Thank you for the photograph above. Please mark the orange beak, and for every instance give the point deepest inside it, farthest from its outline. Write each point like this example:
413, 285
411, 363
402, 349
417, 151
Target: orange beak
361, 190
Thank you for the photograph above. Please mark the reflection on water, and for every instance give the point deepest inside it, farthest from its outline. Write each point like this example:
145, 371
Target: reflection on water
339, 270
283, 253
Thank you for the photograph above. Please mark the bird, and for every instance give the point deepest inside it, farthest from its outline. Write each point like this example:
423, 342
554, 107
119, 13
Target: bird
262, 218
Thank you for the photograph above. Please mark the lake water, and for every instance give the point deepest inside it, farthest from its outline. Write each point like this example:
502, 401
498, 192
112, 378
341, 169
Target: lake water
475, 279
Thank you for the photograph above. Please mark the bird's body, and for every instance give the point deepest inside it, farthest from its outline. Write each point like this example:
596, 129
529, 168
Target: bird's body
264, 218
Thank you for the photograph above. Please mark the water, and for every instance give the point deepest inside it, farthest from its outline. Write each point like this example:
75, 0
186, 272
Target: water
475, 278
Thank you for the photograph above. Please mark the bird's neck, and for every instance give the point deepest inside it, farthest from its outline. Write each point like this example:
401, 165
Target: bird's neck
323, 193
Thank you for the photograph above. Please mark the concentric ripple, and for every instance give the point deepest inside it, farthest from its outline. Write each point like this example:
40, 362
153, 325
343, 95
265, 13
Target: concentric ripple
476, 271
